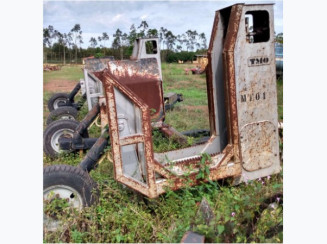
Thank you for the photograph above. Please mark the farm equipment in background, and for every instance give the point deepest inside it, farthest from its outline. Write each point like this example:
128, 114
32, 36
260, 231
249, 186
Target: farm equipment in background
202, 62
242, 101
68, 135
63, 105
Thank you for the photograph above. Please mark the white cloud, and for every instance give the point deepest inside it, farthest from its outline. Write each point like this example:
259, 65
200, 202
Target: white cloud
143, 17
117, 18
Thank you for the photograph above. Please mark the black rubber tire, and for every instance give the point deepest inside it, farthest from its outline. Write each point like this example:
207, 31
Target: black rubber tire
73, 177
61, 112
53, 128
53, 99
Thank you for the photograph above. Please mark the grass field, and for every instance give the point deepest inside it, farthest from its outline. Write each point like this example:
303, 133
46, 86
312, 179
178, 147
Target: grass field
124, 216
70, 73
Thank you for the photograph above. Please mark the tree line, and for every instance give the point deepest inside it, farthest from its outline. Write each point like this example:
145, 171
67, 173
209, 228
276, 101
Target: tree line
61, 47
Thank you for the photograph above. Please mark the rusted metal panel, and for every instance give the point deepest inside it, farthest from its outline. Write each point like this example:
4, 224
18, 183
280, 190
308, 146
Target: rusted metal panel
256, 94
229, 65
96, 64
221, 167
127, 140
149, 188
258, 143
143, 78
103, 111
140, 50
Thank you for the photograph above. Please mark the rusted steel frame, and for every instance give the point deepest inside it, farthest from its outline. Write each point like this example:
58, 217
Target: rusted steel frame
160, 169
229, 64
114, 137
113, 128
217, 172
136, 185
147, 131
128, 140
209, 79
103, 112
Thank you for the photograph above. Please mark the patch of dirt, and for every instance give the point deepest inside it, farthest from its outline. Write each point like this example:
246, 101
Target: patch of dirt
59, 86
204, 108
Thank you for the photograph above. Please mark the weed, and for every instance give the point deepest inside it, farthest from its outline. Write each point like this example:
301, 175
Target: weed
241, 212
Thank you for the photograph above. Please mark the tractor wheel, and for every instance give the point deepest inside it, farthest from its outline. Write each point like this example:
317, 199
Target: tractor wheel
56, 130
56, 99
66, 112
65, 186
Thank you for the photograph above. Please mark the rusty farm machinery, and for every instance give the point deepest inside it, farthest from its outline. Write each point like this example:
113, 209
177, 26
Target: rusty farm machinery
242, 101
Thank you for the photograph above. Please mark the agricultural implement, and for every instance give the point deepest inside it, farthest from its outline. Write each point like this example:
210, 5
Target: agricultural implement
242, 102
66, 134
64, 106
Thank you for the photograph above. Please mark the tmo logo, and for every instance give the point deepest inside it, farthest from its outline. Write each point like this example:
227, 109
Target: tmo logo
256, 61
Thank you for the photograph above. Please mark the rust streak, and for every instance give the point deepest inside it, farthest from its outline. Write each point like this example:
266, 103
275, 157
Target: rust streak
128, 140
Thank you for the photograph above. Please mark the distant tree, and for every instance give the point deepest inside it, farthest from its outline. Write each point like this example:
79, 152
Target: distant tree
117, 42
170, 40
100, 40
60, 38
162, 34
93, 42
143, 27
105, 38
66, 39
203, 40
48, 36
180, 40
179, 48
132, 35
77, 37
152, 33
124, 40
191, 36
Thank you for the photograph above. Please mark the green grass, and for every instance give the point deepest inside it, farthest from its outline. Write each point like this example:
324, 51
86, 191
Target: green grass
70, 73
124, 216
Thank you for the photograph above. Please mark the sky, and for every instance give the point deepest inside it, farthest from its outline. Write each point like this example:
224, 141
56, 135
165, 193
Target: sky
96, 17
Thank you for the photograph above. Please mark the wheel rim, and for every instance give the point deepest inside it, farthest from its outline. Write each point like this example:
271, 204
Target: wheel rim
73, 198
58, 101
55, 138
67, 116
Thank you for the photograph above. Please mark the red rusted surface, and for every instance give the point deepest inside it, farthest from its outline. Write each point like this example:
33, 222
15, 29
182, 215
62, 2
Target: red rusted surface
128, 140
109, 81
142, 77
229, 67
141, 84
103, 111
209, 78
220, 171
